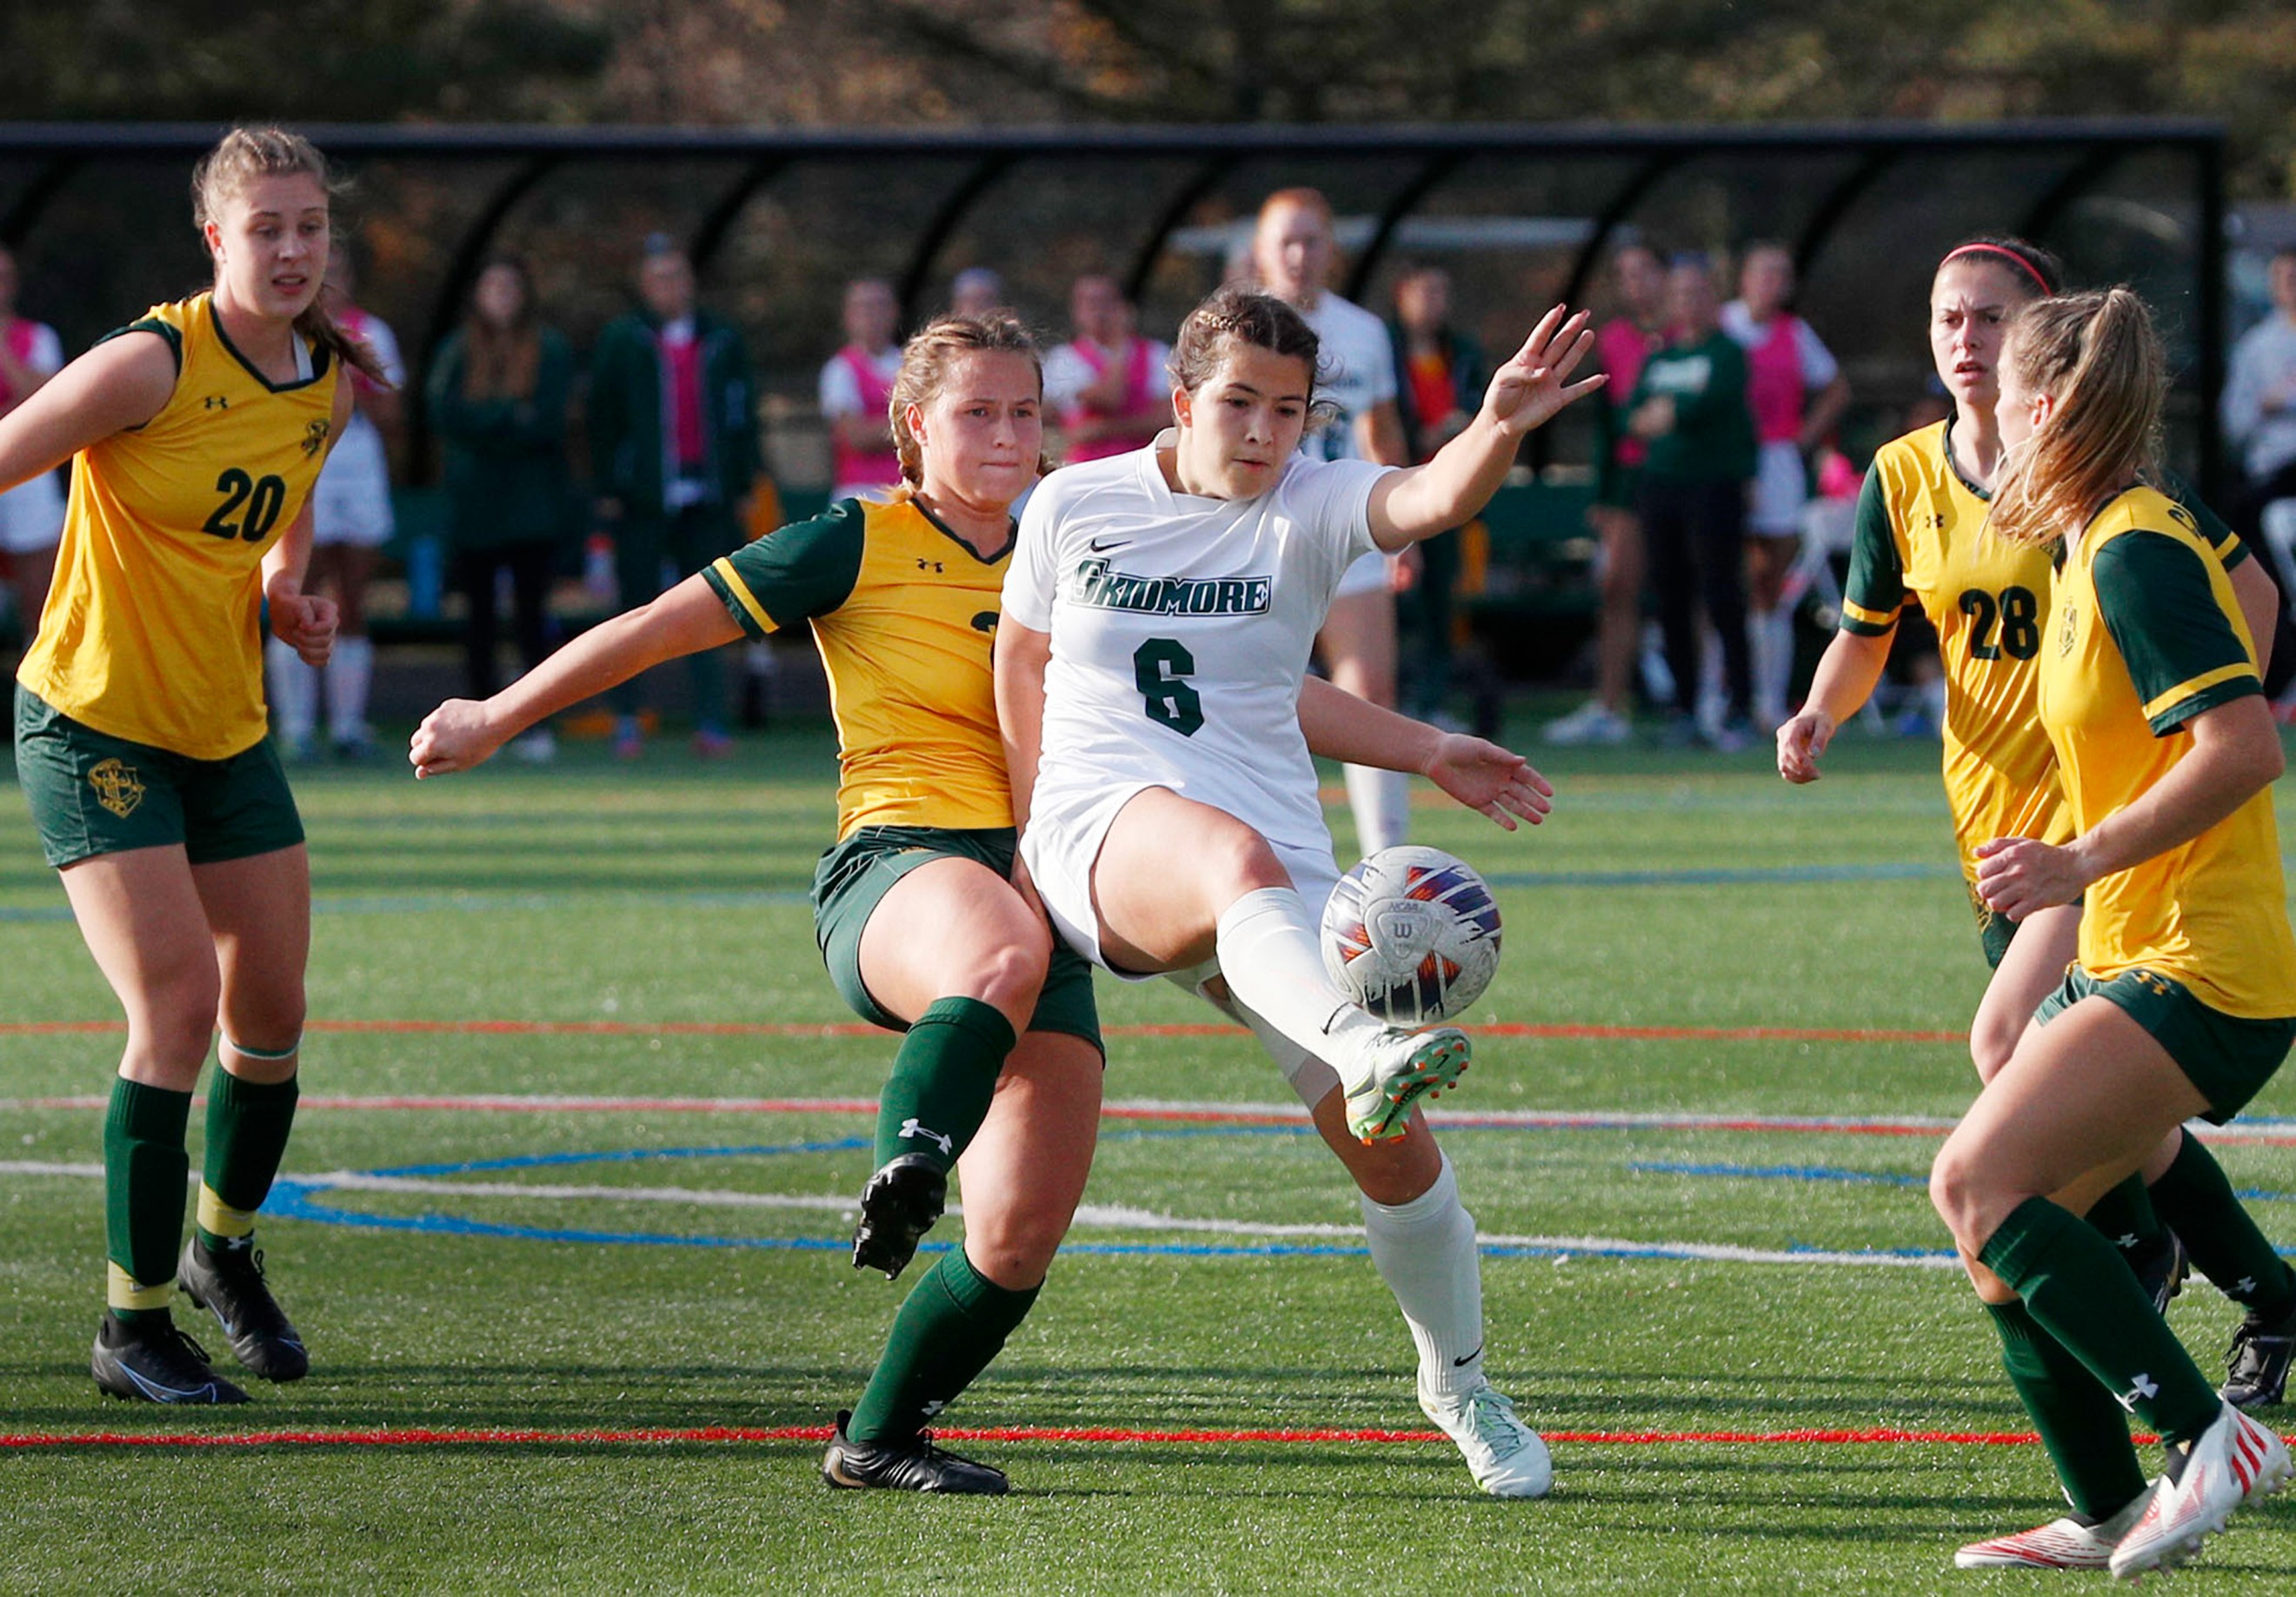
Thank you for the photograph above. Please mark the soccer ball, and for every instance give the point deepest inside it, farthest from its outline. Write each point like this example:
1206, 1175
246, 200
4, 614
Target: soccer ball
1412, 935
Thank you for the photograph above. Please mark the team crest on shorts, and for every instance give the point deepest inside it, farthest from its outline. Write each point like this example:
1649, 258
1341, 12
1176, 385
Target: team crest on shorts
118, 787
315, 437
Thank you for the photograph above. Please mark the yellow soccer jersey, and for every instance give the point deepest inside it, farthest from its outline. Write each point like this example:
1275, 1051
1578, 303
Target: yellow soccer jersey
1921, 540
2146, 633
905, 615
150, 631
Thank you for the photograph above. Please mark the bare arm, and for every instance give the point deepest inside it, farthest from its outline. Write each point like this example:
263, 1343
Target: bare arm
462, 732
1845, 679
2259, 606
122, 382
2236, 755
1379, 435
1022, 653
1495, 781
1448, 491
1824, 412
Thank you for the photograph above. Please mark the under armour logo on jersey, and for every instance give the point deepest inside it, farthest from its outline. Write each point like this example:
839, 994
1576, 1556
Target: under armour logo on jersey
930, 565
2142, 1389
216, 402
910, 1129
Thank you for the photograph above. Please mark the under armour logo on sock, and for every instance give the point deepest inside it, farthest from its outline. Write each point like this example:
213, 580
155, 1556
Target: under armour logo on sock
910, 1129
2241, 1288
2125, 1242
2139, 1390
932, 1405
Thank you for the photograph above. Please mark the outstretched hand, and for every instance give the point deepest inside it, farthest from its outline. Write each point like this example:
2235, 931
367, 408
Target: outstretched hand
1496, 782
455, 737
1533, 385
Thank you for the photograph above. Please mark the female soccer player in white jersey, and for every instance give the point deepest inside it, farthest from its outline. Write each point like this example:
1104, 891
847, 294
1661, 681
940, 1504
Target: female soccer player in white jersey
999, 1068
1157, 618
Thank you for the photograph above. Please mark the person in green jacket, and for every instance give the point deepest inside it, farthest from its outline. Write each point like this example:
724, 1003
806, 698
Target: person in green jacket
1690, 407
498, 395
674, 449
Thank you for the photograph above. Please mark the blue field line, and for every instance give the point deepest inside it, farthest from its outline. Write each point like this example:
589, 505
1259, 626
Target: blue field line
408, 904
1778, 1173
531, 1161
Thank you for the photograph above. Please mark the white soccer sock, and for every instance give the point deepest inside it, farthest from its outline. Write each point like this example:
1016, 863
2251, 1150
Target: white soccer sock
1382, 803
294, 692
1425, 1252
1273, 959
349, 672
1769, 633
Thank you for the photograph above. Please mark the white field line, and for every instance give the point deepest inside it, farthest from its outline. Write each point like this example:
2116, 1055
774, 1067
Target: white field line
1090, 1218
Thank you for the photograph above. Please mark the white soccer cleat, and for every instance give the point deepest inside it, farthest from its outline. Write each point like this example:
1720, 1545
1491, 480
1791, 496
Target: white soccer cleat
2064, 1544
2235, 1461
1404, 1067
1506, 1457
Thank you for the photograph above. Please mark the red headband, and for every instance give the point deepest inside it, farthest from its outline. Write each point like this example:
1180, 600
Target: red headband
2011, 256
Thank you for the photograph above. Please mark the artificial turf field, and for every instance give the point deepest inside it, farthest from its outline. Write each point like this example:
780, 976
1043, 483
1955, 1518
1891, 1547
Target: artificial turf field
576, 1319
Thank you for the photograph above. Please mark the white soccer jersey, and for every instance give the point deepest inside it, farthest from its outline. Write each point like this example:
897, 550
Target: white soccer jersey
1180, 633
350, 503
1357, 373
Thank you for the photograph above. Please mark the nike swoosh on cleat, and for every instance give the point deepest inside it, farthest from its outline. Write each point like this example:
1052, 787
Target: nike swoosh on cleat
159, 1394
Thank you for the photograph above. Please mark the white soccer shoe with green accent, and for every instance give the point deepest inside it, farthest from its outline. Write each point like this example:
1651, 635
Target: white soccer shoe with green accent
1406, 1066
1505, 1456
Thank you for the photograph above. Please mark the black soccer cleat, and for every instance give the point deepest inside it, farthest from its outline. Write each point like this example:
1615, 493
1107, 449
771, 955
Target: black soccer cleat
2257, 1365
2161, 1268
228, 1283
897, 1206
153, 1362
913, 1466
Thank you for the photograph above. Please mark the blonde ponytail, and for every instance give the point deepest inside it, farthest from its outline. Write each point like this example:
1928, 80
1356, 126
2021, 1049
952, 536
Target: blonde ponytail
2097, 355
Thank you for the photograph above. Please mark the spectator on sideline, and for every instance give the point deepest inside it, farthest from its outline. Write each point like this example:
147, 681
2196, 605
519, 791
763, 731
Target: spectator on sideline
674, 451
499, 395
32, 516
1621, 345
1107, 385
1690, 407
976, 292
857, 384
1798, 393
1443, 375
1294, 251
2259, 420
351, 520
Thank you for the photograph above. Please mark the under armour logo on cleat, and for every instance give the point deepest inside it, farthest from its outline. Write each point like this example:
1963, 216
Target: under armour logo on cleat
910, 1129
2142, 1389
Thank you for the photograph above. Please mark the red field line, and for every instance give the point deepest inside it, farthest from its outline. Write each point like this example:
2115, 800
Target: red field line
426, 1437
855, 1029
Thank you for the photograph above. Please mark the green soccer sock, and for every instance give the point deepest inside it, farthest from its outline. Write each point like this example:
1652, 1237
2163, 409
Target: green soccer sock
144, 1167
943, 1077
2078, 1290
2124, 1217
248, 1124
2082, 1428
951, 1324
2197, 1201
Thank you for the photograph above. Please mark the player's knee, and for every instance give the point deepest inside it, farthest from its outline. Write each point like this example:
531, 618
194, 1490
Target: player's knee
1014, 1247
1990, 1044
1962, 1195
1011, 973
1240, 861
